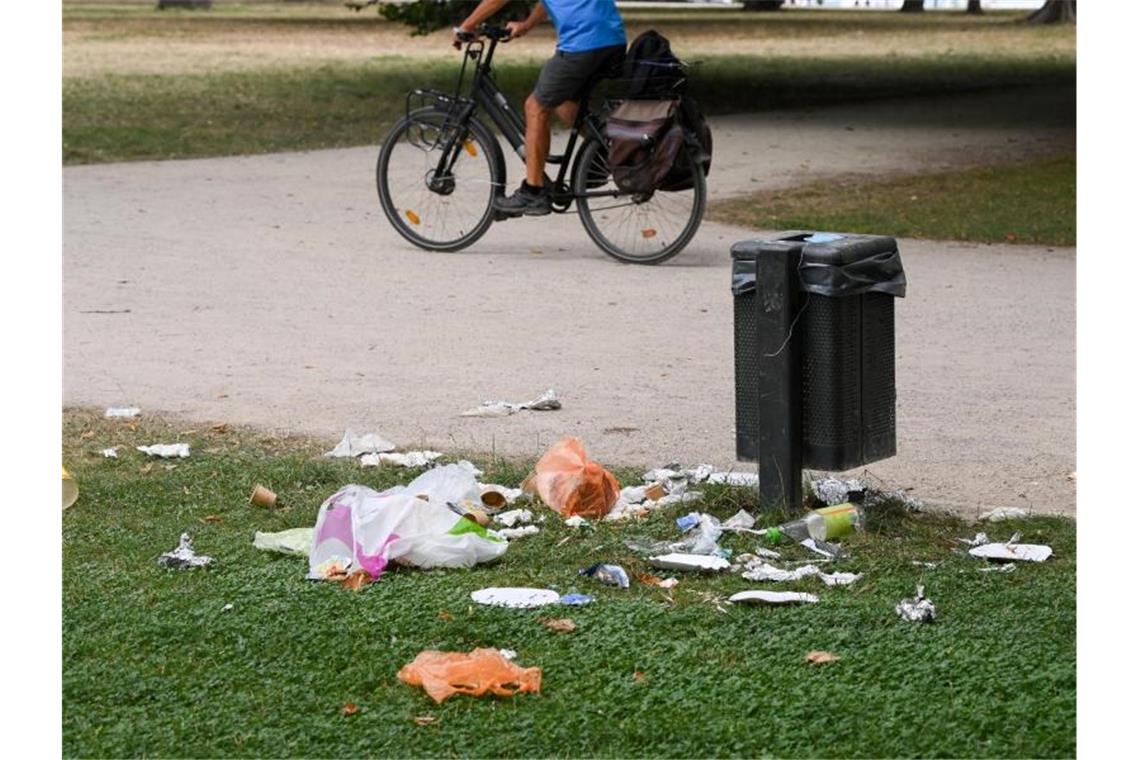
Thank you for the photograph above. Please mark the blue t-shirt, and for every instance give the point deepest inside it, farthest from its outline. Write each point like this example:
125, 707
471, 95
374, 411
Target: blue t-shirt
585, 24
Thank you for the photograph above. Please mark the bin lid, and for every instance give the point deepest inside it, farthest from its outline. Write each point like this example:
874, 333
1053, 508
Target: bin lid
833, 264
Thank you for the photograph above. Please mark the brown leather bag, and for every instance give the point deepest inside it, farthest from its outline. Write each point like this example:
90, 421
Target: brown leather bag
644, 139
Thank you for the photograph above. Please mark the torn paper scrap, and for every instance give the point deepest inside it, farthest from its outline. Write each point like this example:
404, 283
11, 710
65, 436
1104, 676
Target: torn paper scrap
576, 521
1004, 513
166, 450
678, 561
509, 518
517, 598
184, 557
735, 478
546, 402
111, 453
352, 445
766, 572
917, 610
1010, 552
409, 458
122, 411
740, 521
977, 540
839, 579
1007, 567
773, 597
511, 534
370, 460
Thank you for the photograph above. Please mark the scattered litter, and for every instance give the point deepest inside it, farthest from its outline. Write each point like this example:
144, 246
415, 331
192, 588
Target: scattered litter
414, 525
356, 580
352, 445
575, 600
558, 625
1012, 551
166, 450
577, 521
122, 411
773, 597
370, 460
1004, 513
295, 541
546, 402
919, 563
833, 491
425, 720
652, 580
977, 540
410, 459
610, 575
750, 479
228, 607
839, 579
819, 657
496, 497
262, 497
822, 548
111, 453
766, 572
678, 561
514, 597
917, 610
509, 654
508, 519
349, 708
1007, 567
211, 519
689, 521
442, 674
571, 484
512, 533
184, 557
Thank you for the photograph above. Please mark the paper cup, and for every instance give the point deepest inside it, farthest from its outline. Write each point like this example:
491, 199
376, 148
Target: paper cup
70, 490
262, 497
493, 499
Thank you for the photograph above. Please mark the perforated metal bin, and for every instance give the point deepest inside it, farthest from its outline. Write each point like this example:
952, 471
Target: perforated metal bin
814, 352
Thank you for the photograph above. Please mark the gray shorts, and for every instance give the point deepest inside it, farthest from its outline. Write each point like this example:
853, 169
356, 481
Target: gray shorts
567, 76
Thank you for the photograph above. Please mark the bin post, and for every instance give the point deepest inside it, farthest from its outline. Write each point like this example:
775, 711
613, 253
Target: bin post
768, 424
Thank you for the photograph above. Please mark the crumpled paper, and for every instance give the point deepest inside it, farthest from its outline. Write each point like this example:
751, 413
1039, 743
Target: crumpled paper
917, 610
184, 557
111, 453
166, 450
547, 401
833, 491
511, 534
352, 445
513, 516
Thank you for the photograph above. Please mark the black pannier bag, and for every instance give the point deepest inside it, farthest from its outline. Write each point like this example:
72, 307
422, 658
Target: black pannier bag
645, 141
645, 151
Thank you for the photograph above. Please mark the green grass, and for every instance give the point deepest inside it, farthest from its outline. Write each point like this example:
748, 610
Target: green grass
153, 666
1031, 202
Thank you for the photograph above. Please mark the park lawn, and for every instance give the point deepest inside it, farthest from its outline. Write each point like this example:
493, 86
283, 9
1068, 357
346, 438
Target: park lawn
1032, 202
254, 79
153, 666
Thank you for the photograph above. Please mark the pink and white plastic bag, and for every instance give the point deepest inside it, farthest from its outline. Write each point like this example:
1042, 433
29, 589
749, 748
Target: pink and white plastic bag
361, 529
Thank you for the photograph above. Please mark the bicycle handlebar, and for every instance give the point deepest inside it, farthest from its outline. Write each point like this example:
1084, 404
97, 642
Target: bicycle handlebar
489, 31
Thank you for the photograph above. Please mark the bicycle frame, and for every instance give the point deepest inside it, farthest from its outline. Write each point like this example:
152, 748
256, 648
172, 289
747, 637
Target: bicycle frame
486, 95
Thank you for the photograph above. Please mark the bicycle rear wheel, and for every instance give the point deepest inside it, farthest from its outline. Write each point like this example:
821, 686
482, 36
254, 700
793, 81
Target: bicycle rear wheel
438, 211
636, 229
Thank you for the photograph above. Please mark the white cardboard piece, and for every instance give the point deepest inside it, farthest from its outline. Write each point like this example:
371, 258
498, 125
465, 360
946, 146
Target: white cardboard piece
1011, 552
677, 561
515, 597
773, 597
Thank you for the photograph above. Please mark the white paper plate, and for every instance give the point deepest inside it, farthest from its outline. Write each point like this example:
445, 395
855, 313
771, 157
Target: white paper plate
519, 598
689, 562
773, 597
1023, 552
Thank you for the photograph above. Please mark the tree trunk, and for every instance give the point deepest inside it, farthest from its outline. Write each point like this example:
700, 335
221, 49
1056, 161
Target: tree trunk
912, 6
974, 6
1055, 12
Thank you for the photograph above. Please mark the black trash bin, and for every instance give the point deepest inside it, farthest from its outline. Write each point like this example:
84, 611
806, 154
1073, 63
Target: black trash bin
814, 354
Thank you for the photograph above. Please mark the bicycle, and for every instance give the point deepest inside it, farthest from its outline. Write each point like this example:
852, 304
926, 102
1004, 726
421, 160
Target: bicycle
441, 167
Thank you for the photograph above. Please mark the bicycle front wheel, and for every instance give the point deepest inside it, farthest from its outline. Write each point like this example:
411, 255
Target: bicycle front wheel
435, 190
636, 229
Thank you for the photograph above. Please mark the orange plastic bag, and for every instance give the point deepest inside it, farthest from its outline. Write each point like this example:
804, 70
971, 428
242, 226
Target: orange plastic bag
572, 484
442, 674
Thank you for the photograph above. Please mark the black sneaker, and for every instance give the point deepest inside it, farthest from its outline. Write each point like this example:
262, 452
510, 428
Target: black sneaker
523, 202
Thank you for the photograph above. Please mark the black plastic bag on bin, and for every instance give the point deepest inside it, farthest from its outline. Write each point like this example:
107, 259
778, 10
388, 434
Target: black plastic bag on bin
836, 265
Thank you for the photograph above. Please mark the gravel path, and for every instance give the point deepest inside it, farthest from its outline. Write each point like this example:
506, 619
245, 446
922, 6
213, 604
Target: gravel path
270, 291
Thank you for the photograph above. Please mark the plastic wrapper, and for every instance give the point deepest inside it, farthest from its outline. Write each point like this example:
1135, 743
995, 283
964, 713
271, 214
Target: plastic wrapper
575, 600
571, 484
832, 491
295, 541
482, 671
184, 557
166, 450
610, 575
917, 610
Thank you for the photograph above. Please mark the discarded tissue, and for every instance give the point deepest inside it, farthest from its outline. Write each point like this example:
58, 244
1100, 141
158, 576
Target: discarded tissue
515, 597
509, 518
166, 450
1004, 513
917, 610
184, 557
411, 459
352, 445
122, 411
443, 674
360, 529
512, 533
546, 402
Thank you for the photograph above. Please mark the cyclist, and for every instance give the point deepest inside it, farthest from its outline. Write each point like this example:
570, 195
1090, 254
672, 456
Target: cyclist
591, 41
